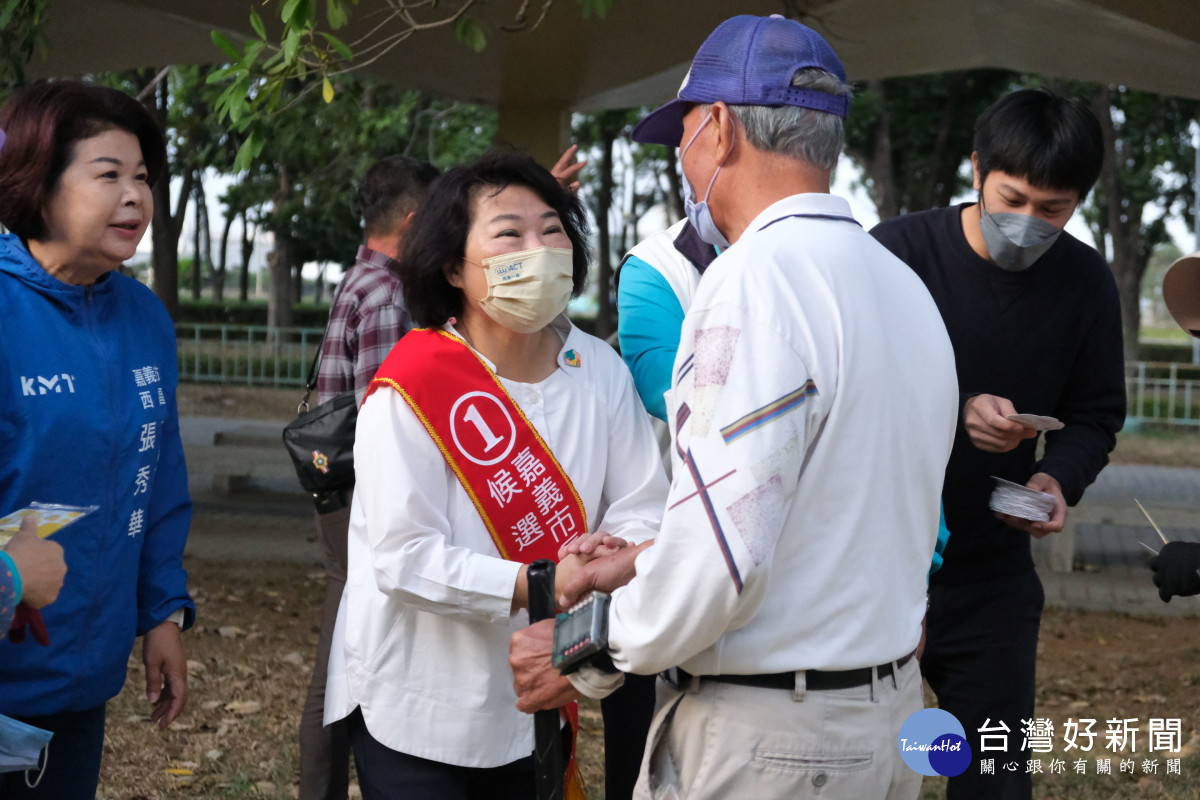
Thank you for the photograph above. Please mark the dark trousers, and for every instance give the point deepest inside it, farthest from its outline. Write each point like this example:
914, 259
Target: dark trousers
627, 714
71, 760
386, 774
980, 660
325, 751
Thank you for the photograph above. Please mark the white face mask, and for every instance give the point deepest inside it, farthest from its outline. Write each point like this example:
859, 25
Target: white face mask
698, 212
528, 289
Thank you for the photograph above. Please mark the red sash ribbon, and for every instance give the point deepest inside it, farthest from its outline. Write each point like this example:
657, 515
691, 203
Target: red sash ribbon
522, 494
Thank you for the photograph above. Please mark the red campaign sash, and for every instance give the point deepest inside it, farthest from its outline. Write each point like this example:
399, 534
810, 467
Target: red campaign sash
522, 494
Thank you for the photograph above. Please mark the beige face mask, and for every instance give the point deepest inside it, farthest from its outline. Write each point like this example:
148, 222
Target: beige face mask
527, 289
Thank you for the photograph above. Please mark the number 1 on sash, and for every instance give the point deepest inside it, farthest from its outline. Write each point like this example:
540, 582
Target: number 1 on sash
475, 418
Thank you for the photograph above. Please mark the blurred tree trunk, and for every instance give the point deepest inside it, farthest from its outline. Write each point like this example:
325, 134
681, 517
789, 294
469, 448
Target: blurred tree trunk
675, 192
247, 251
1146, 138
605, 318
279, 305
220, 268
166, 225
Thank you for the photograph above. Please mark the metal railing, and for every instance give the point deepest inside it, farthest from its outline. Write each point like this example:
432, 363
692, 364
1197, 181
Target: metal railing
1163, 393
247, 355
253, 355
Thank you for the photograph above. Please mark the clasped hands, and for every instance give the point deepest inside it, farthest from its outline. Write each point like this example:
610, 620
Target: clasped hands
595, 562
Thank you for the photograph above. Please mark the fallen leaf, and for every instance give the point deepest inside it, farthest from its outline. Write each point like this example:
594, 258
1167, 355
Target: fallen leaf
214, 754
209, 705
230, 631
294, 657
244, 707
178, 771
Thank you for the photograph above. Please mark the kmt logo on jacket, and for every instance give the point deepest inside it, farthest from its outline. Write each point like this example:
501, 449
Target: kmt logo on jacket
54, 384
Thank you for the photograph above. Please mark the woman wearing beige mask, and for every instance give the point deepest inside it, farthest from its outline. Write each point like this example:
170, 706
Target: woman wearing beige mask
489, 438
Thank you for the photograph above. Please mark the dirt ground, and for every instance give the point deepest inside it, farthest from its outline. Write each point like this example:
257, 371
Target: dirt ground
251, 654
220, 400
1166, 448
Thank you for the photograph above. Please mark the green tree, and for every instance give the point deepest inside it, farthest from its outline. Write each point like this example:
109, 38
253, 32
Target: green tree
1144, 182
911, 135
314, 153
270, 72
21, 23
599, 133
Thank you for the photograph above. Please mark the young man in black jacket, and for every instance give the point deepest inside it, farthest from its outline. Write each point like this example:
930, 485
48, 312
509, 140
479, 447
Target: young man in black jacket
1035, 322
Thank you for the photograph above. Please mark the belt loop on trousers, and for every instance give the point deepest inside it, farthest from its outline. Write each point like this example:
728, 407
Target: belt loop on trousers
801, 687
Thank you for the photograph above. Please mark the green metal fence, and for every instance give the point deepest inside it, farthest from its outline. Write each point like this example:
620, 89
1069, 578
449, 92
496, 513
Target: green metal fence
1163, 393
246, 355
1166, 393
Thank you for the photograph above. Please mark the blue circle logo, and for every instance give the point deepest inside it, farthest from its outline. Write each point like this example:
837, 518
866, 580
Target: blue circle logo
933, 742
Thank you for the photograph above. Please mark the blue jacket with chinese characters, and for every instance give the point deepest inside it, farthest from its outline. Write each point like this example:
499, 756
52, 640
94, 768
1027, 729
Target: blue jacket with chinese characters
87, 387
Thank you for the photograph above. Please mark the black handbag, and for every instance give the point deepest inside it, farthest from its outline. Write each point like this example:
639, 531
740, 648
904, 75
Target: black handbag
320, 442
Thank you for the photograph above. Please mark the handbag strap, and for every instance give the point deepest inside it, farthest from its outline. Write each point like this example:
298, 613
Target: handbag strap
310, 382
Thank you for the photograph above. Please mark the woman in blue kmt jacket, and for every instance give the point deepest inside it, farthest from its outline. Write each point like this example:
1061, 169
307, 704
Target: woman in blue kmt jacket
87, 383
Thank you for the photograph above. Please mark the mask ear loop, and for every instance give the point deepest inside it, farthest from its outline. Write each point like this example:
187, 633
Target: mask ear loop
708, 191
45, 762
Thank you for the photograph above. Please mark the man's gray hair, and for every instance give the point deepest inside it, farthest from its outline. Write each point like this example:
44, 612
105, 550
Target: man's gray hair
803, 133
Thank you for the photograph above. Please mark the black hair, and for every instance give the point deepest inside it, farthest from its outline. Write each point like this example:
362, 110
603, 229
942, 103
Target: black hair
435, 244
392, 188
1050, 141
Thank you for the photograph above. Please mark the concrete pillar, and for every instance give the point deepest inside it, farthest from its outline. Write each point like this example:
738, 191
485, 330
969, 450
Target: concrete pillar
545, 131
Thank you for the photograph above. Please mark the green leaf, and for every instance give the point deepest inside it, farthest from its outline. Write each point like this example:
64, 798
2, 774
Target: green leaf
326, 91
337, 44
227, 47
471, 33
223, 74
302, 17
337, 13
257, 23
245, 155
289, 9
600, 8
239, 101
291, 44
253, 49
6, 13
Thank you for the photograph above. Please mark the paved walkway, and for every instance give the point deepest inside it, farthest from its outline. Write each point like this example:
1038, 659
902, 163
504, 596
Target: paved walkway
248, 504
253, 509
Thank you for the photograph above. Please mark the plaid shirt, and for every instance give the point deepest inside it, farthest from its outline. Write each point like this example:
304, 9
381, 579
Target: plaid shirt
367, 319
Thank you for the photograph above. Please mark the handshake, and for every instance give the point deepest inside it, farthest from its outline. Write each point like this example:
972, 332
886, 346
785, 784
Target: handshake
595, 562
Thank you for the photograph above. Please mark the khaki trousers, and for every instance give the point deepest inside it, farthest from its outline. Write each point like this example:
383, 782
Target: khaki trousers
719, 740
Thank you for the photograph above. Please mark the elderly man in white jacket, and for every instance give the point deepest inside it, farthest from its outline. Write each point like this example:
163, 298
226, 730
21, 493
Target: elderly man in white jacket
812, 410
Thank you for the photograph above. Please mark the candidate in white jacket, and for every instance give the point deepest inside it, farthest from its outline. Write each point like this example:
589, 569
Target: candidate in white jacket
420, 649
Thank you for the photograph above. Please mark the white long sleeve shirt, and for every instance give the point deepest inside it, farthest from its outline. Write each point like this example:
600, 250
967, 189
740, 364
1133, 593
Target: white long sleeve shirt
422, 638
812, 409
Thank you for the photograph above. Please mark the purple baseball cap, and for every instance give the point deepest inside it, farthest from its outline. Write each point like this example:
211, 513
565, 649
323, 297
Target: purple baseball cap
749, 61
